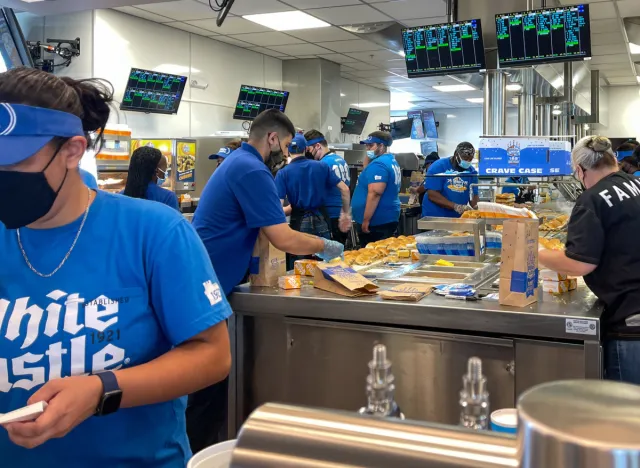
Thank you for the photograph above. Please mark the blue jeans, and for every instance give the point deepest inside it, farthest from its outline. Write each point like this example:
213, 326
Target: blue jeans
622, 360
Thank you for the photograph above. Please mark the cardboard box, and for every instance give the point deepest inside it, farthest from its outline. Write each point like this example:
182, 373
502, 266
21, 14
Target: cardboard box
560, 287
305, 267
339, 278
406, 292
550, 275
519, 268
290, 282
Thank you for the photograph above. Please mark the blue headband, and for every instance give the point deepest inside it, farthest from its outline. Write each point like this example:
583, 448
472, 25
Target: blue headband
371, 140
24, 130
623, 154
315, 141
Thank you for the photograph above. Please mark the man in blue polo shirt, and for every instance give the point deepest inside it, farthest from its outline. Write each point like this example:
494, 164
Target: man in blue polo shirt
318, 149
306, 183
448, 184
238, 201
376, 202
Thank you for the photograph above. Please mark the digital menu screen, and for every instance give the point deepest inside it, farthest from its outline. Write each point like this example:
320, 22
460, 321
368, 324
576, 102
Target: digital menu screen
444, 48
547, 35
9, 55
355, 121
153, 92
254, 100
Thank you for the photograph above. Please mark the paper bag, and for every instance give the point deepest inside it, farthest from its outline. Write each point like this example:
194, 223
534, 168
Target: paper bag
406, 292
519, 269
339, 278
267, 263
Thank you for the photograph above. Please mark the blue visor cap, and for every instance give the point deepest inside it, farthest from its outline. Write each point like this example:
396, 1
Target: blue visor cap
623, 154
222, 153
315, 141
371, 140
24, 130
298, 145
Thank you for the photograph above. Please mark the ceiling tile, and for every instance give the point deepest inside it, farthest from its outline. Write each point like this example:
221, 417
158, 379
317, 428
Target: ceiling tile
410, 23
267, 39
338, 58
265, 51
255, 7
322, 34
609, 49
603, 10
300, 49
362, 66
374, 55
232, 41
409, 9
144, 14
304, 4
357, 45
613, 58
609, 72
181, 10
623, 80
628, 8
613, 37
370, 73
604, 26
611, 66
189, 28
349, 15
230, 26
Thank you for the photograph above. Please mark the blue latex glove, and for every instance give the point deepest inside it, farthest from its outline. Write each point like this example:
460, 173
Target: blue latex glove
332, 249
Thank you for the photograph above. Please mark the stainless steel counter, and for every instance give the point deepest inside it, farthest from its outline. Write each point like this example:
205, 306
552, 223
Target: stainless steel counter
310, 347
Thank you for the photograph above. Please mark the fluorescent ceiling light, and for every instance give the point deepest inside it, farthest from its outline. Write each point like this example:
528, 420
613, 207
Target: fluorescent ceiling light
451, 116
367, 105
342, 95
634, 48
476, 100
556, 112
638, 78
514, 87
287, 21
454, 88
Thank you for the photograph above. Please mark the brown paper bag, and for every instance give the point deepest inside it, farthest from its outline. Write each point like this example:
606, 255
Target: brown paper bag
407, 292
519, 269
340, 278
267, 263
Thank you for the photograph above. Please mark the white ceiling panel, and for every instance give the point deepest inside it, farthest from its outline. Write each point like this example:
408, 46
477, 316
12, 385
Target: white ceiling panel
370, 73
613, 58
305, 4
189, 28
410, 23
338, 58
408, 9
604, 26
265, 51
357, 45
374, 55
629, 8
611, 66
362, 66
609, 38
609, 49
232, 41
349, 15
144, 14
254, 7
230, 26
267, 39
632, 80
603, 10
300, 49
618, 72
322, 34
181, 10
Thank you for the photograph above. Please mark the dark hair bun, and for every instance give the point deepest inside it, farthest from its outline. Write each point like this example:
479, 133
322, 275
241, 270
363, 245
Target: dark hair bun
95, 98
600, 144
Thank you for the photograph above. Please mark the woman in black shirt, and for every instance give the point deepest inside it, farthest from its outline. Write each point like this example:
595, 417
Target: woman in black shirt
604, 223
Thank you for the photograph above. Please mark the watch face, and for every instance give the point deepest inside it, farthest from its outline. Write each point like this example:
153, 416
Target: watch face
111, 402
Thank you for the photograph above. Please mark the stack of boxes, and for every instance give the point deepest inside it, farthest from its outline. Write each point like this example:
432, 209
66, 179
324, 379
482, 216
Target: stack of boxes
556, 283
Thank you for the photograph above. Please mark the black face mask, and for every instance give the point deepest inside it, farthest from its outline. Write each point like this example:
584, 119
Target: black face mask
276, 160
31, 196
309, 155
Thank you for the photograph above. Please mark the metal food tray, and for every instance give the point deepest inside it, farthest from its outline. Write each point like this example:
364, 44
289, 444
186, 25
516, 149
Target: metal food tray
477, 226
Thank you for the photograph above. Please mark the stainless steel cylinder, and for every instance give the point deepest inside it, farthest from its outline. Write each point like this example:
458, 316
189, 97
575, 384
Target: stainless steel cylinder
582, 424
546, 119
526, 115
495, 103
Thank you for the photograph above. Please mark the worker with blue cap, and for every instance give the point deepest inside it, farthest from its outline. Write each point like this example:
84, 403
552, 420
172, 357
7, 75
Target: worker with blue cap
305, 184
376, 201
628, 156
226, 151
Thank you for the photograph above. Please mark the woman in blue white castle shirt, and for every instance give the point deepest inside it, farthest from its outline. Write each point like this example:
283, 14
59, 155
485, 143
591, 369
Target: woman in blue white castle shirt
110, 310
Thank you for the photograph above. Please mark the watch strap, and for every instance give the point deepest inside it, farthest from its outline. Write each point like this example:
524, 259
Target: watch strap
109, 382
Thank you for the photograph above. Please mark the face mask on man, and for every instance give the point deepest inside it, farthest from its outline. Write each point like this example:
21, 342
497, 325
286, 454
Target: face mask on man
31, 197
276, 160
463, 164
162, 180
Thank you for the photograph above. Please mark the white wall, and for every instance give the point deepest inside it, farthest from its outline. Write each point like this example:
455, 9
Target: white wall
456, 125
624, 112
357, 95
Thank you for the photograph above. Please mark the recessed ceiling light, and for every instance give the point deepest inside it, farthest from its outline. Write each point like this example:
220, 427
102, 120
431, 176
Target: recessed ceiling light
638, 78
368, 105
454, 88
514, 87
476, 100
634, 48
287, 21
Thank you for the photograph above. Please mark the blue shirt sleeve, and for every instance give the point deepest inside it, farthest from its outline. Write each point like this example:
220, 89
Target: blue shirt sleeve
257, 195
378, 174
281, 187
332, 178
432, 182
185, 293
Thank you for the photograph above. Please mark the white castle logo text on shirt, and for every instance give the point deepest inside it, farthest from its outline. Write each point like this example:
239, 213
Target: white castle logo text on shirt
59, 318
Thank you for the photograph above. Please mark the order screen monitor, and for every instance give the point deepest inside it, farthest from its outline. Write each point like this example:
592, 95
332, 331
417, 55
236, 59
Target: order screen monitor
355, 121
442, 49
540, 36
253, 100
401, 129
153, 92
13, 50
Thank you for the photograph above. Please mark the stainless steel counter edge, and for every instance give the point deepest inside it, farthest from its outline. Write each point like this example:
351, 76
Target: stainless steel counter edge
544, 319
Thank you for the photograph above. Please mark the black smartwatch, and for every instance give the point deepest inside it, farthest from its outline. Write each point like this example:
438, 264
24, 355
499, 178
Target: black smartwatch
111, 395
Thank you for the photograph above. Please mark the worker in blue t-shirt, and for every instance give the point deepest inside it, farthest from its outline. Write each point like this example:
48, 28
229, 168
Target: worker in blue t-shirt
147, 174
226, 151
239, 200
110, 311
628, 155
88, 179
376, 201
448, 184
305, 183
318, 149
